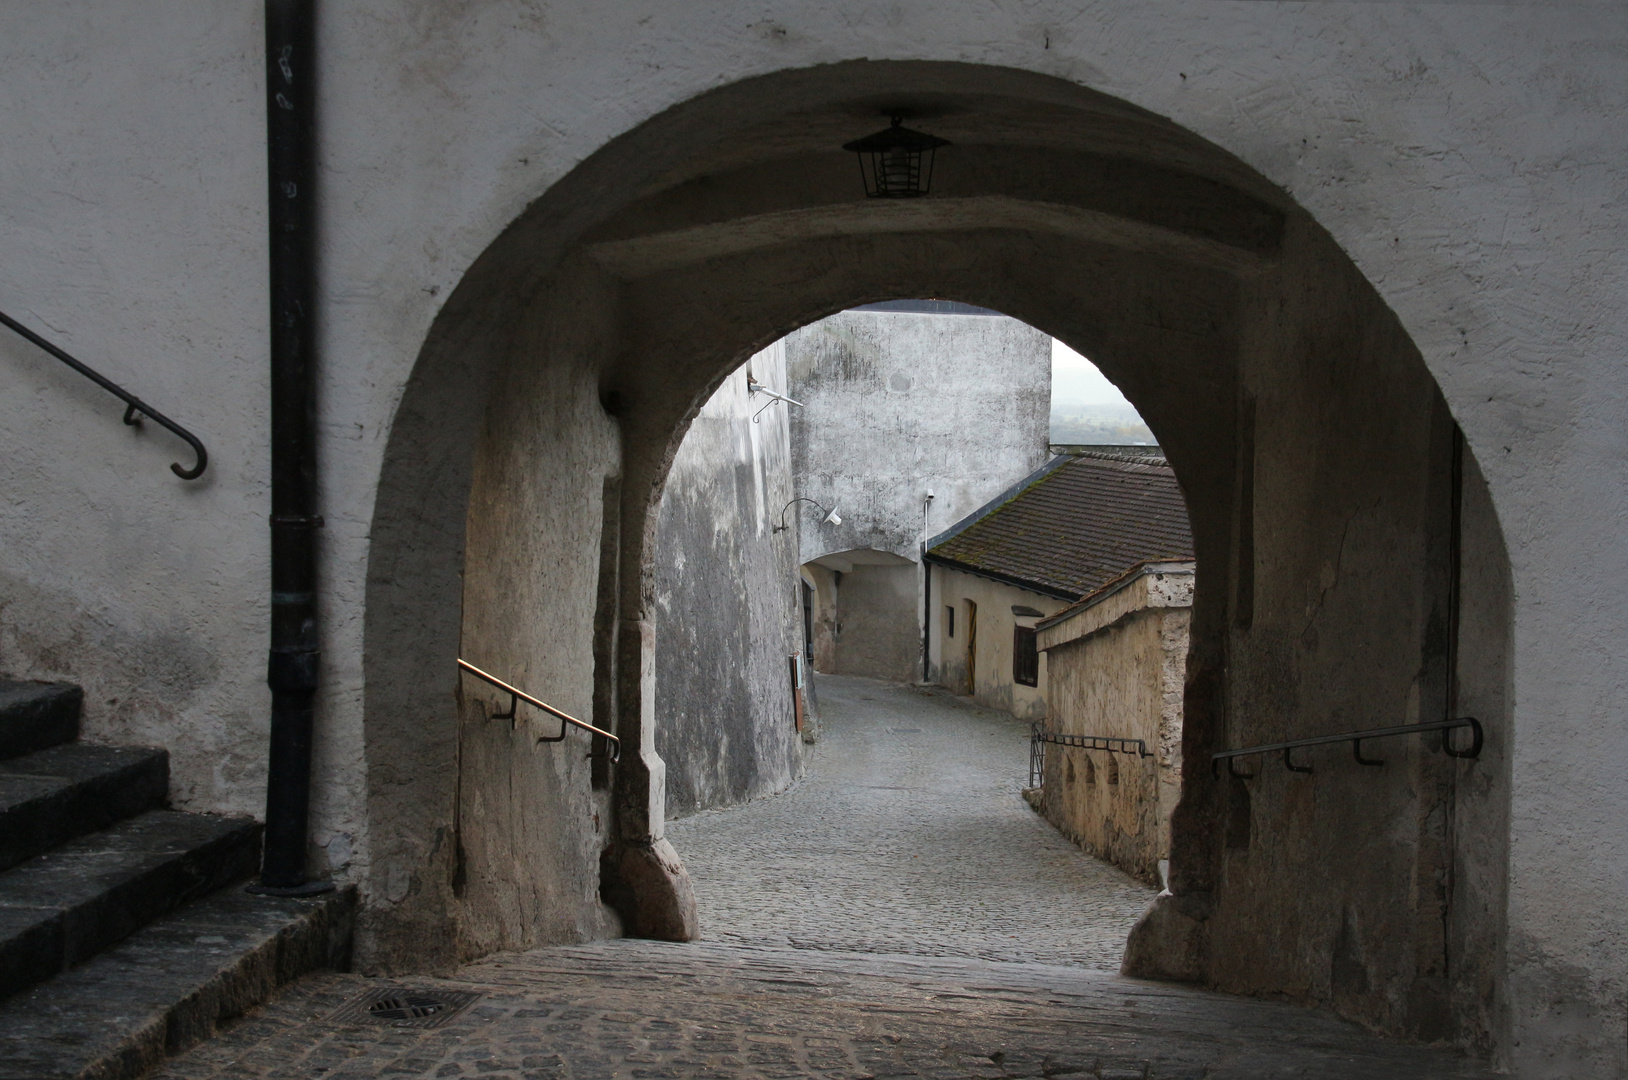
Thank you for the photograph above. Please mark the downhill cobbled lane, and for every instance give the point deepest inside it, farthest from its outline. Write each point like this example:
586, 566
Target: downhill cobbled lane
908, 834
898, 913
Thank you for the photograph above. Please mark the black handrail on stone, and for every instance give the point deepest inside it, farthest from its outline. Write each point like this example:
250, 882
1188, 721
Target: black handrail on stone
516, 696
1356, 739
1113, 745
135, 408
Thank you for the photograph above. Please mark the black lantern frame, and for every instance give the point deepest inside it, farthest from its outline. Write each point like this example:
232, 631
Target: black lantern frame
896, 163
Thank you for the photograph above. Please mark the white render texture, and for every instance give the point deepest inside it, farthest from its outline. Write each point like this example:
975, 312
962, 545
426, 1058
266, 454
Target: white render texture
1467, 157
898, 404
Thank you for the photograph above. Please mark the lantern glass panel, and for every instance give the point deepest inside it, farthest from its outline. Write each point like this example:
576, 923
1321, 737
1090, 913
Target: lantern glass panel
896, 163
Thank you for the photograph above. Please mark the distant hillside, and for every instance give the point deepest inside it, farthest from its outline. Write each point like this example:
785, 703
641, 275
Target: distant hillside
1098, 424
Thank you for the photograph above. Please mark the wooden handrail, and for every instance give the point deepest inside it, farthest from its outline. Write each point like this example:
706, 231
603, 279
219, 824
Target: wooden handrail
516, 695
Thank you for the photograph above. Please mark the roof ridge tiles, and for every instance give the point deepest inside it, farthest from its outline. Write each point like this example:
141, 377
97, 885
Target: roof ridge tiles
1073, 525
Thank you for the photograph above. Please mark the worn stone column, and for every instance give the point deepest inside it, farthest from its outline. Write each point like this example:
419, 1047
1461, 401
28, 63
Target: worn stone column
641, 875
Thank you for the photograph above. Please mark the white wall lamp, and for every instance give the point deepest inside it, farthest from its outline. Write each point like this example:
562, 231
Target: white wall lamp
831, 516
755, 387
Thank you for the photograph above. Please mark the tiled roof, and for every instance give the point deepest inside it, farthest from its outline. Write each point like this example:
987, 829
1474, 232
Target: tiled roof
1082, 523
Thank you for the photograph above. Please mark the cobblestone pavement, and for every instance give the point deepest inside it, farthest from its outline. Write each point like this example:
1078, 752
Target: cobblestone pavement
813, 903
907, 835
641, 1010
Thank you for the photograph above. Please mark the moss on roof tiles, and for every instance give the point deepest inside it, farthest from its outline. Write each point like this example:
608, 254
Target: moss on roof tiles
1078, 527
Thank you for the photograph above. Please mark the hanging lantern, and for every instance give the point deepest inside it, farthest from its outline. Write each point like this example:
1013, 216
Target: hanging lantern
896, 163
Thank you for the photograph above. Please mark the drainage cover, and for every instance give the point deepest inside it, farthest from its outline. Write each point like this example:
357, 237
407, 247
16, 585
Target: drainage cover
404, 1008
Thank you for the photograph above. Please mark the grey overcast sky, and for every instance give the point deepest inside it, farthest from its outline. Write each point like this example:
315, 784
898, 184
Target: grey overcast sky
1075, 381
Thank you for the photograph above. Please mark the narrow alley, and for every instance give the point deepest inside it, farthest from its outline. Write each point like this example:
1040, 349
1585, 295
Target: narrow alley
907, 835
866, 923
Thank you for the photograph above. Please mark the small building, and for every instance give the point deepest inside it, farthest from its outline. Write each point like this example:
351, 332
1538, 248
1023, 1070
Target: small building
1117, 665
915, 412
1063, 533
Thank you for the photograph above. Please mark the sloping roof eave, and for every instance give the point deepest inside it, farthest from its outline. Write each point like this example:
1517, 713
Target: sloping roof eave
1005, 579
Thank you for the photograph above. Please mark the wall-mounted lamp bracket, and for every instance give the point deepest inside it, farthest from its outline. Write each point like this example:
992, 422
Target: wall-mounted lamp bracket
831, 515
755, 387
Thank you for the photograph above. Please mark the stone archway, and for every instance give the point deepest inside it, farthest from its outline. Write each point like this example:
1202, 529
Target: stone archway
1332, 508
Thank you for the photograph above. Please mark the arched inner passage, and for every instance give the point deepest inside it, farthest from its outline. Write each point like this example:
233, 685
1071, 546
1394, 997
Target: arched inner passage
1348, 558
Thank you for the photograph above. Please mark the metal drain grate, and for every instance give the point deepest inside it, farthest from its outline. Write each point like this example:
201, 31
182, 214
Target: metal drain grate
405, 1008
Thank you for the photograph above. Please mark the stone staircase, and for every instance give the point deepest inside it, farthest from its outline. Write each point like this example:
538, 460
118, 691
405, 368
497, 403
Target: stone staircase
125, 934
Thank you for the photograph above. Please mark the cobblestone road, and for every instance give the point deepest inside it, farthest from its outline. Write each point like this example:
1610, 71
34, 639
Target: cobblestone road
907, 835
813, 903
641, 1010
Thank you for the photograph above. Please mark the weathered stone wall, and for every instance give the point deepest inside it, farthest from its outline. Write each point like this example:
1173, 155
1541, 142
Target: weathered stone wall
521, 850
822, 581
874, 622
1479, 896
1338, 617
1117, 670
992, 664
727, 607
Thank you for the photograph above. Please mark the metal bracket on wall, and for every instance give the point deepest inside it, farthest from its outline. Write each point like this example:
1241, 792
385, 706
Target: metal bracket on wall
1356, 739
516, 696
1112, 744
135, 408
755, 387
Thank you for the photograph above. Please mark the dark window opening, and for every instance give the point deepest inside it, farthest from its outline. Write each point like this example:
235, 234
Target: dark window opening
949, 621
1025, 657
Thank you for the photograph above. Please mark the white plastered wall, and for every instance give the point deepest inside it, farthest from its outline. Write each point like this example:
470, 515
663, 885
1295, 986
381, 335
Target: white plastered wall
996, 622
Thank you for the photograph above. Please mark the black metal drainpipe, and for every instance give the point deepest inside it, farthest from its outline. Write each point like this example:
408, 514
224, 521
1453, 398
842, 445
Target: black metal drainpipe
291, 670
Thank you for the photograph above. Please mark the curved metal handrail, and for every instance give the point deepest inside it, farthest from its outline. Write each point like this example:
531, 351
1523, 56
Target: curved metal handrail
1356, 739
516, 695
135, 408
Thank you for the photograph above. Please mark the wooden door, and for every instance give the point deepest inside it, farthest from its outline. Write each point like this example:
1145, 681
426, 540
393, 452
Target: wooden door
972, 648
798, 675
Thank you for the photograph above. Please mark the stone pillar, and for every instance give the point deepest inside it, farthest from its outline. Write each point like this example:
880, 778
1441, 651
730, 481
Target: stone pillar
640, 874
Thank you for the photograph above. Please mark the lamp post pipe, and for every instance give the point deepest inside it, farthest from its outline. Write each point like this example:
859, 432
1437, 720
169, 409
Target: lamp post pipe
294, 659
829, 514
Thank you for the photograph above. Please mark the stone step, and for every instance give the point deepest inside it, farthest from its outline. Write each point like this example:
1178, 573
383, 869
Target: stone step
34, 715
62, 907
51, 796
169, 985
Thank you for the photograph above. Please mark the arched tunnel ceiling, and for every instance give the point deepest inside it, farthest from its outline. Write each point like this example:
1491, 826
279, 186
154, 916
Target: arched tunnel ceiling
1123, 202
634, 257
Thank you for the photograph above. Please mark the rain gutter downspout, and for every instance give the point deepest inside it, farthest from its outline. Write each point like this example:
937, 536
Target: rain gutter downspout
926, 597
294, 660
